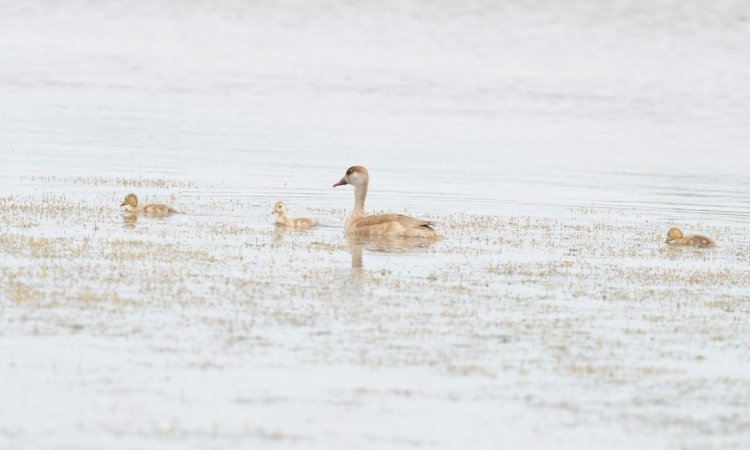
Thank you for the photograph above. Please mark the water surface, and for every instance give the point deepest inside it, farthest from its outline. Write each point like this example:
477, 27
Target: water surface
553, 145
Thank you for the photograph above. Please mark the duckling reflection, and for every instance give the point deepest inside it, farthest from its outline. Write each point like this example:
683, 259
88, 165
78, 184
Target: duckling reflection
279, 234
129, 219
386, 244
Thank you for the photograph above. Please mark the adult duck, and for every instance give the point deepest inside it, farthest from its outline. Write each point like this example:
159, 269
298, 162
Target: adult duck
379, 224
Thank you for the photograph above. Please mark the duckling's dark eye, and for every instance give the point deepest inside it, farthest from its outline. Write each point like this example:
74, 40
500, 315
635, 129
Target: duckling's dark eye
349, 172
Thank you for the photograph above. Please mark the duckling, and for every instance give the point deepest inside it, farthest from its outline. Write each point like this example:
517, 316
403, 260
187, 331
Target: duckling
154, 209
282, 219
675, 236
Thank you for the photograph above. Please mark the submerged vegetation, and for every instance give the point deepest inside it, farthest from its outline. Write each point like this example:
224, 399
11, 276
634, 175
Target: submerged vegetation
590, 302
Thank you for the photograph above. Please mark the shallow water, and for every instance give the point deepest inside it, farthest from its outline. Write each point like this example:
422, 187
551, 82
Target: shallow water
553, 145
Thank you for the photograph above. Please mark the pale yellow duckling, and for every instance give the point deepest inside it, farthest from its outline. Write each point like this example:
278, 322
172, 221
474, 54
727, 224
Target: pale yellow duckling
675, 236
154, 209
299, 222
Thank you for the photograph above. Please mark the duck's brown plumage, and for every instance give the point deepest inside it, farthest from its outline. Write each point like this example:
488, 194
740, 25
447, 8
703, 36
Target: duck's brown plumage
379, 224
378, 219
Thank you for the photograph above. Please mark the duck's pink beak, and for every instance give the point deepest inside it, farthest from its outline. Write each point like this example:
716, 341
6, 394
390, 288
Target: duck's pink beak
341, 182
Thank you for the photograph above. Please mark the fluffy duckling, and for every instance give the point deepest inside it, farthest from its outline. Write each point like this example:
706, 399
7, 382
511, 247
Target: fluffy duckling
282, 219
675, 236
154, 209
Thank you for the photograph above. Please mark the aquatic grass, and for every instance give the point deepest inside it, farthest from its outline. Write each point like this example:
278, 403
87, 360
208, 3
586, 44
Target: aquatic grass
591, 300
150, 183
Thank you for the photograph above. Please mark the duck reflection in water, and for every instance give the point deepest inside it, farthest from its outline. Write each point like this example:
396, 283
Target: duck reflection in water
281, 232
385, 244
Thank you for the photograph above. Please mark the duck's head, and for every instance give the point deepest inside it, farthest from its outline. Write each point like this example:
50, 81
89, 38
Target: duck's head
674, 233
130, 200
355, 175
279, 209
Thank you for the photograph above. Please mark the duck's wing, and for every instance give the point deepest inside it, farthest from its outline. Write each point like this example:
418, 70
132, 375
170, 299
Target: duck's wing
158, 208
304, 222
386, 219
701, 241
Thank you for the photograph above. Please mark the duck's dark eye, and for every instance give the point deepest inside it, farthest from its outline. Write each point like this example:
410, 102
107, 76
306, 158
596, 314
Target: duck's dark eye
349, 172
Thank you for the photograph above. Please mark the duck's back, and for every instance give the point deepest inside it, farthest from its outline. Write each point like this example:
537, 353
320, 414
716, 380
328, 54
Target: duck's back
697, 240
158, 209
303, 222
391, 225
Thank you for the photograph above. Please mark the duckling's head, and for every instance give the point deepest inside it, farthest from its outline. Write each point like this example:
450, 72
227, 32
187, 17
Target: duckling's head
279, 209
355, 175
674, 233
130, 200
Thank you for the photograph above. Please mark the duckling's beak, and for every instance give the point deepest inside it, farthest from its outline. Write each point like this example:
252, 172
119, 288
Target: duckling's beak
341, 182
123, 203
667, 241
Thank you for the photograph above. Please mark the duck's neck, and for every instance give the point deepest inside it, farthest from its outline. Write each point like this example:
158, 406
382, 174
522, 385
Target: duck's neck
360, 193
282, 220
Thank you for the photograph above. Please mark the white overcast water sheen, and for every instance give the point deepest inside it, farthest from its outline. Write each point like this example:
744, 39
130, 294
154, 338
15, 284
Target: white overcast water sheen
500, 108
